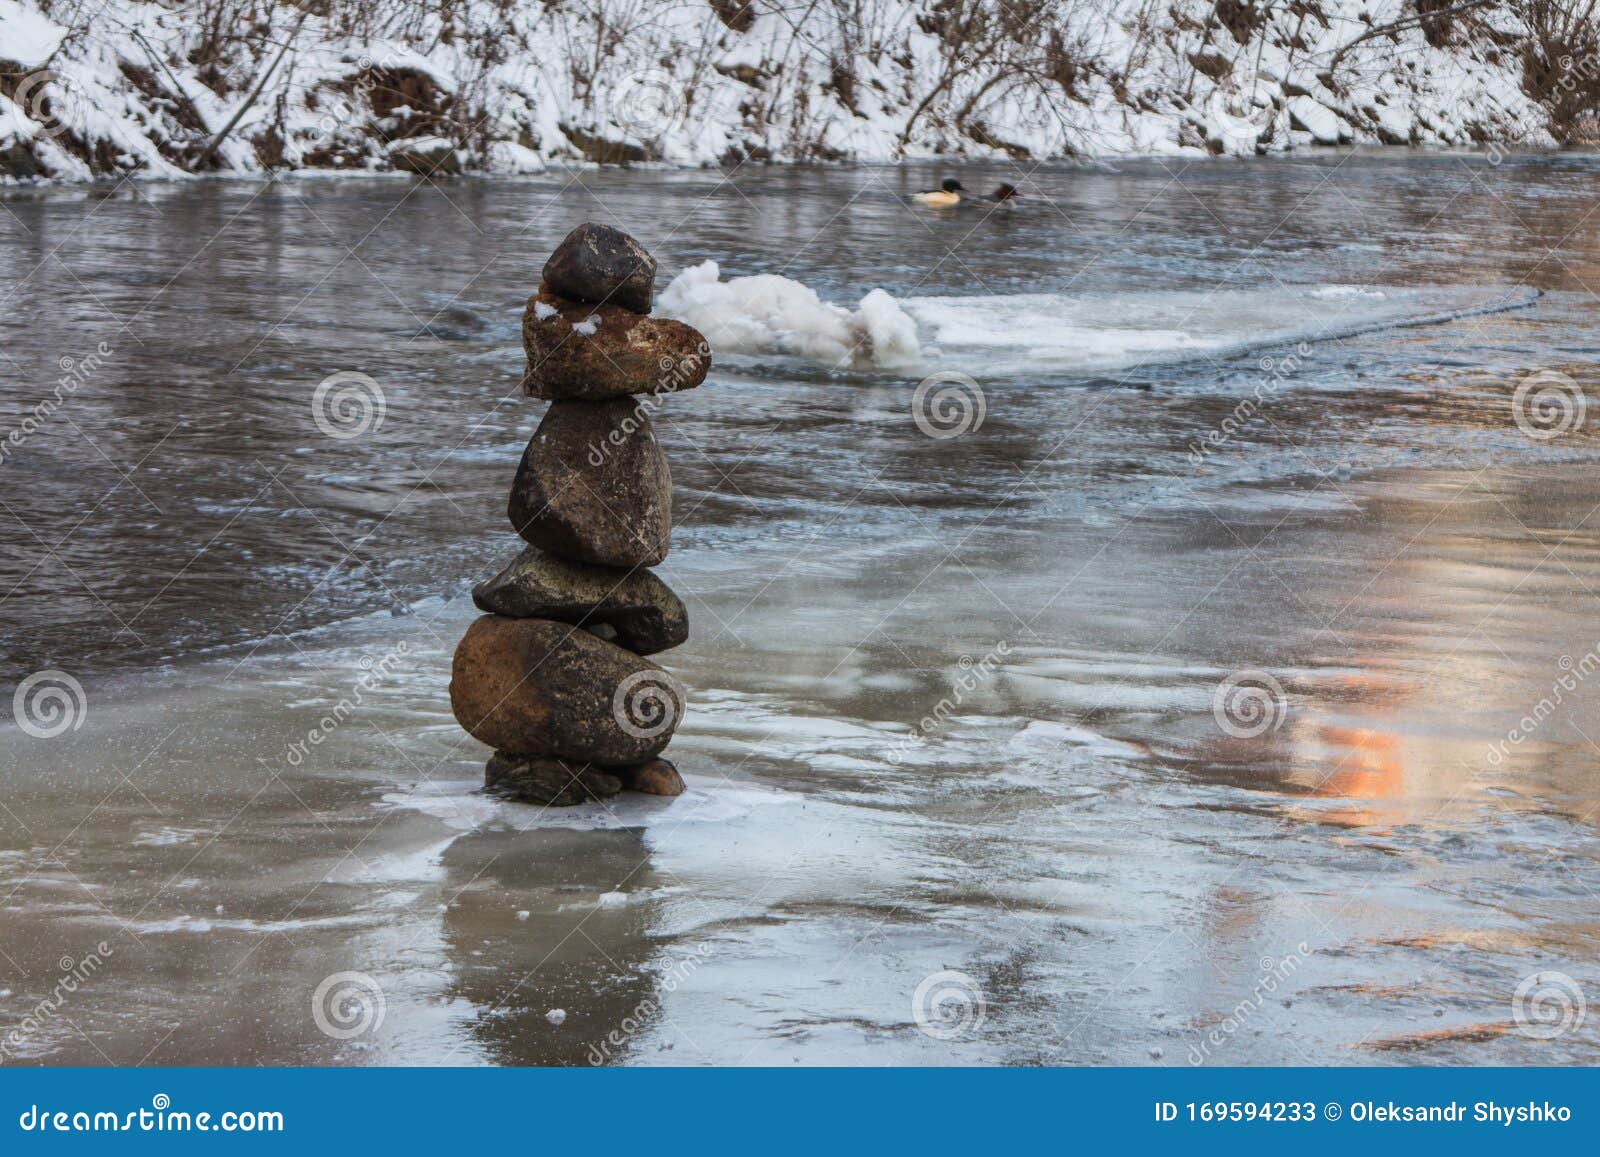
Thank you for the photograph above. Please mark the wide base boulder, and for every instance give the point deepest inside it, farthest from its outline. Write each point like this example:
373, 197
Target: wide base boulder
632, 608
594, 486
592, 352
542, 688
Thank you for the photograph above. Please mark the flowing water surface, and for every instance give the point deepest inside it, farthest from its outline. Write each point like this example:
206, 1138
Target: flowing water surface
1226, 692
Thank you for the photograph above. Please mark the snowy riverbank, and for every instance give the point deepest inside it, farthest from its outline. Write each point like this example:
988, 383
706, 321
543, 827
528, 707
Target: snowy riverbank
518, 85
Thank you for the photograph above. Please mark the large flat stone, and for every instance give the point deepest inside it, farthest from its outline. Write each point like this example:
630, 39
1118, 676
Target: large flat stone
640, 610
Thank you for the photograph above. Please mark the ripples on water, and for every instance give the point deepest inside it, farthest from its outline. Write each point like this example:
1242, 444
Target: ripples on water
1078, 835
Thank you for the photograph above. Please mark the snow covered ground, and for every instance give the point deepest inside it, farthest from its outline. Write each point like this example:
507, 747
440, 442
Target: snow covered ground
509, 86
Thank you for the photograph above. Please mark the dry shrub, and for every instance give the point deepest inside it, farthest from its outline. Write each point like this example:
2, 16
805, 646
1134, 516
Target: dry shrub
1561, 62
739, 15
1241, 18
1438, 21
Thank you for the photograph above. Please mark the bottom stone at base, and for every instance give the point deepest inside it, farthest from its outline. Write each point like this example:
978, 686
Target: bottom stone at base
563, 783
536, 779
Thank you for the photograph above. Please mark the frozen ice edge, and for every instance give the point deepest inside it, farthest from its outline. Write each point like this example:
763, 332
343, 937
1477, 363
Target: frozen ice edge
461, 805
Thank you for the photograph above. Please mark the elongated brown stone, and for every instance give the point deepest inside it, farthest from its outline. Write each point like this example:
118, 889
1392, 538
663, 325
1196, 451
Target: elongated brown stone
655, 777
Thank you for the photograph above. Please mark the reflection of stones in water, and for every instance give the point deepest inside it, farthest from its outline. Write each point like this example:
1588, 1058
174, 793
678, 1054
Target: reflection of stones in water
570, 952
1317, 754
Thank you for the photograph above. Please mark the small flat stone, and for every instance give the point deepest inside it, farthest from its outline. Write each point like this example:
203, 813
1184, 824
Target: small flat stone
597, 263
594, 486
593, 352
654, 777
641, 611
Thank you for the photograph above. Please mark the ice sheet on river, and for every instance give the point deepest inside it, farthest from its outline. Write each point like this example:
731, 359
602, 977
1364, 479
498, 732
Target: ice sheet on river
1074, 335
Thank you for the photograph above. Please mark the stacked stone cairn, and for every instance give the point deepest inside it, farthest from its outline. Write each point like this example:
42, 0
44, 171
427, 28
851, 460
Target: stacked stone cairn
553, 676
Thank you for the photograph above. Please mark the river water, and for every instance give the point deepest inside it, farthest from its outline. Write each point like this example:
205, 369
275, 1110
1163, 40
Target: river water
976, 771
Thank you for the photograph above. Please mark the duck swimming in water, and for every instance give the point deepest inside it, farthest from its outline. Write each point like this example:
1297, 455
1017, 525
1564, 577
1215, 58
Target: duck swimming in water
946, 196
1004, 197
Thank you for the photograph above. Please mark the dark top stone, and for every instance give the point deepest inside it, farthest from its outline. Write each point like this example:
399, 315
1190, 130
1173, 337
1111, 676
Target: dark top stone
601, 264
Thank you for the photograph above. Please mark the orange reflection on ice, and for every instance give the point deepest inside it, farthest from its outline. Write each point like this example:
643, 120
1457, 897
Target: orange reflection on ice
1360, 764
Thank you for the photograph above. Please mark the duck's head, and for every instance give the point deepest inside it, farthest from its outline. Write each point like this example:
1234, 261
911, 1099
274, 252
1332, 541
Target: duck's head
1005, 192
950, 185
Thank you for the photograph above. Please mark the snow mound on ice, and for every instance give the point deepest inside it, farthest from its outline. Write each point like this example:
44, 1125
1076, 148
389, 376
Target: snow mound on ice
769, 314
